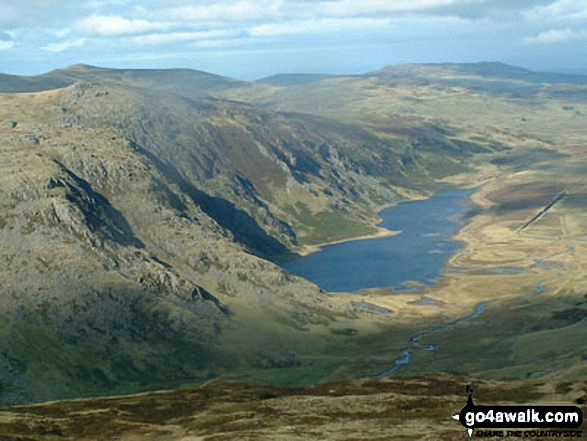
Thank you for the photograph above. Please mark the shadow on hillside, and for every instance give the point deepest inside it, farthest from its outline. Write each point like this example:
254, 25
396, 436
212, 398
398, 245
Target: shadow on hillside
243, 226
98, 212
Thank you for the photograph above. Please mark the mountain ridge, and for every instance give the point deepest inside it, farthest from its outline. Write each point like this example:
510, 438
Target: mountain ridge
192, 77
145, 77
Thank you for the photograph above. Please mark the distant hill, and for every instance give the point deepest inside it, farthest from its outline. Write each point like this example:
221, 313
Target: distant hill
18, 84
489, 70
295, 79
182, 81
437, 92
193, 83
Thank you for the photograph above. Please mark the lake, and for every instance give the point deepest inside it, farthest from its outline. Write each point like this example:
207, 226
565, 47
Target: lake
418, 254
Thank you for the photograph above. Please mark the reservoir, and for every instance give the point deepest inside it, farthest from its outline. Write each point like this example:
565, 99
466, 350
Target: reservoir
418, 254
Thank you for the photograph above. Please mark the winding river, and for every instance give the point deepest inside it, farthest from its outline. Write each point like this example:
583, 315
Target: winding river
415, 340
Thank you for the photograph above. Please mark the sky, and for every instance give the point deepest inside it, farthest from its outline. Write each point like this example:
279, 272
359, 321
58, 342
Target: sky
251, 39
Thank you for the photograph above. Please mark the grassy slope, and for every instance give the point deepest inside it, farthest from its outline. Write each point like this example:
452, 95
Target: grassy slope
403, 409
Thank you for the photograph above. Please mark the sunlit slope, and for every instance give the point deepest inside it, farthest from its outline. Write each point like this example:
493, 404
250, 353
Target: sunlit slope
484, 96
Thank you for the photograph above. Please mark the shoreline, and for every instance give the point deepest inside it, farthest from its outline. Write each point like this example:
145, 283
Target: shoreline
384, 232
381, 232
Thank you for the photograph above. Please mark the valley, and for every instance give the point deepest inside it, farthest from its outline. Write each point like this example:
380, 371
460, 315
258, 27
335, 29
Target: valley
143, 214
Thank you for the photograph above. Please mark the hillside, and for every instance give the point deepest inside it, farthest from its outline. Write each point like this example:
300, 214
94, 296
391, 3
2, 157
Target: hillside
143, 214
134, 224
491, 99
498, 73
170, 80
294, 79
405, 408
124, 257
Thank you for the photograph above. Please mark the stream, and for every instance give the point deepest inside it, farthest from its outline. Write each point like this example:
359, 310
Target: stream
415, 340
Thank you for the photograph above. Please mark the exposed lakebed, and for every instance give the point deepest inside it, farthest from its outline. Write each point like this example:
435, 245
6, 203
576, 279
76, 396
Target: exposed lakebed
418, 254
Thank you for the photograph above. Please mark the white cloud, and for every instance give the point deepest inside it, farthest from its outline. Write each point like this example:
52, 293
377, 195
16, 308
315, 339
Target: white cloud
240, 11
113, 25
280, 31
317, 26
171, 37
556, 36
213, 44
33, 13
561, 10
60, 33
60, 47
346, 8
5, 45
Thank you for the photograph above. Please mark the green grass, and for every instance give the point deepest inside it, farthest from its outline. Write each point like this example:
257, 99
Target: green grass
327, 226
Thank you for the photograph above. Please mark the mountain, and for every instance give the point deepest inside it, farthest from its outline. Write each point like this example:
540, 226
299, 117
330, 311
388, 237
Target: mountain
143, 215
489, 70
184, 81
136, 224
483, 97
128, 220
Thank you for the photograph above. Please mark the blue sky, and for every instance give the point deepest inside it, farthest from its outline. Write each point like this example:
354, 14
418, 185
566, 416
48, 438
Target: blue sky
250, 39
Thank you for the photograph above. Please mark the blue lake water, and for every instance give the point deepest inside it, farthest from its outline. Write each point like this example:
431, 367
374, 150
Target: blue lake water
419, 253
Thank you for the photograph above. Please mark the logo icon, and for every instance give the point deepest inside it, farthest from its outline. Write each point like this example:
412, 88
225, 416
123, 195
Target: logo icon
518, 417
469, 407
